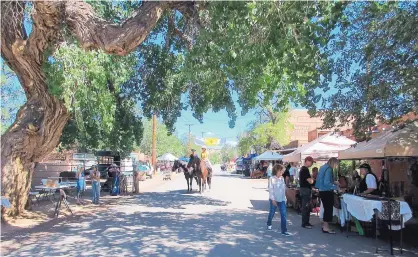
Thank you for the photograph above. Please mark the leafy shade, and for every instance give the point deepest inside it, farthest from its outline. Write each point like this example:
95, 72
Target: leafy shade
258, 48
374, 59
89, 84
165, 143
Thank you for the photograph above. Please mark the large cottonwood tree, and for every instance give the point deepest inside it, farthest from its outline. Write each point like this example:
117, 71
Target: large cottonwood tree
40, 121
249, 48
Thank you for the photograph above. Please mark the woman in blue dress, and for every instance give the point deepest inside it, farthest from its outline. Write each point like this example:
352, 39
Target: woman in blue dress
80, 183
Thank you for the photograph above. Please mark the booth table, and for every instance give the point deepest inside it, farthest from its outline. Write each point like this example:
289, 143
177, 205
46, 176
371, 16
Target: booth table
364, 209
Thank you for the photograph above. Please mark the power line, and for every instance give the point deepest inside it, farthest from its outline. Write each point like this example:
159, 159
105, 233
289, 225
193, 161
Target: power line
190, 137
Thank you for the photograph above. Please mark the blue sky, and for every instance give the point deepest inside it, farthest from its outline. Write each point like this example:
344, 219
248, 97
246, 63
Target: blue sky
214, 125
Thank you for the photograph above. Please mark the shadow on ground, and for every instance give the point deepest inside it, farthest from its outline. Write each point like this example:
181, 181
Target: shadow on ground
181, 228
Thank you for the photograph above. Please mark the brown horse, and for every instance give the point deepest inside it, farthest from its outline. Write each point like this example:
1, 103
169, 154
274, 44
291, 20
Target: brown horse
201, 171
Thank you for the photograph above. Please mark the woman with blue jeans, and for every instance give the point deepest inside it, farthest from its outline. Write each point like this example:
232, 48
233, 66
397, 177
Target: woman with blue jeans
277, 198
80, 183
95, 183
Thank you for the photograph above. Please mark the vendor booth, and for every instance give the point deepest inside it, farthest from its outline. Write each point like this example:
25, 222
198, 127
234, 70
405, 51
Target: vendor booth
321, 149
168, 157
394, 155
269, 156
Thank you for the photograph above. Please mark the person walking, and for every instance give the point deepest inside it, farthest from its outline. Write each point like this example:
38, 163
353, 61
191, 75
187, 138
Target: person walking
326, 186
269, 174
95, 184
80, 184
277, 198
305, 182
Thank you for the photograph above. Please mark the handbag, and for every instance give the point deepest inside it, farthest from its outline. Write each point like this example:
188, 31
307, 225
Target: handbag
337, 201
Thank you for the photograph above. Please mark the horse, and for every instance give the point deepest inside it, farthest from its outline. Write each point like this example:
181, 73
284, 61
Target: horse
201, 171
188, 174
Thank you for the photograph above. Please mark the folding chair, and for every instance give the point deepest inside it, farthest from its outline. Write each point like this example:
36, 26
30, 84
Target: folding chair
391, 216
34, 194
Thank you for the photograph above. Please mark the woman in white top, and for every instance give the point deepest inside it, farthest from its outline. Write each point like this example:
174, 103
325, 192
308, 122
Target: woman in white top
277, 198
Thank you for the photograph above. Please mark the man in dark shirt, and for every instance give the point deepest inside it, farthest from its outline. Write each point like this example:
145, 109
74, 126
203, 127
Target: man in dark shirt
305, 182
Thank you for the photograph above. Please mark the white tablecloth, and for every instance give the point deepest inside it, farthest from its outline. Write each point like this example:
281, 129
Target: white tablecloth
52, 188
363, 209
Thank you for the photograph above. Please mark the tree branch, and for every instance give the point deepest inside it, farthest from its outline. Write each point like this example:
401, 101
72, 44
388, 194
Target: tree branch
93, 32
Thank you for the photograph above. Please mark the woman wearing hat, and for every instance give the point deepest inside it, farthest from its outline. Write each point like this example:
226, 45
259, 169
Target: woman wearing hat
114, 170
368, 184
205, 158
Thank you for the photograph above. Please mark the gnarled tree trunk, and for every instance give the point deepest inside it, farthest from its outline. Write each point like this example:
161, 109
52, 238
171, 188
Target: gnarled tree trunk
39, 123
35, 133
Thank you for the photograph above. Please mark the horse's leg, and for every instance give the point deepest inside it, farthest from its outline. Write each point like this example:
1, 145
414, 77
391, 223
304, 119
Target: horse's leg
187, 180
191, 182
209, 182
198, 182
204, 182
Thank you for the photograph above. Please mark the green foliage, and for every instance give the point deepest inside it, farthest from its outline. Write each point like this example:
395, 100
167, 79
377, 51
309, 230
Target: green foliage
246, 143
157, 83
373, 59
258, 48
346, 167
165, 143
12, 97
215, 158
227, 153
89, 84
262, 135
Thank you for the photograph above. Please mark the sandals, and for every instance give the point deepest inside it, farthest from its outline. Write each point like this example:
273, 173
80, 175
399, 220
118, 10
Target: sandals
328, 232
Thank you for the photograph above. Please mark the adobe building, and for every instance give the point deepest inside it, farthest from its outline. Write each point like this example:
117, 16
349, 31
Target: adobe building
305, 128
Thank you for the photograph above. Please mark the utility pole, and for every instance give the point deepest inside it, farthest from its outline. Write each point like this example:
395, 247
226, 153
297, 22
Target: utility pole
154, 142
190, 139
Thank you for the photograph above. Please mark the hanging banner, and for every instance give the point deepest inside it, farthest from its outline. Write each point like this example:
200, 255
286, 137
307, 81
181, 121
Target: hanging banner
199, 141
211, 141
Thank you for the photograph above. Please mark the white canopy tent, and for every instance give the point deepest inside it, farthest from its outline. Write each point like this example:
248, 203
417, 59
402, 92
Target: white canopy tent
320, 149
269, 156
167, 157
398, 143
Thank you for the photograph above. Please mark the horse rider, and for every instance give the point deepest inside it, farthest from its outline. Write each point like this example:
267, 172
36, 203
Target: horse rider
205, 158
194, 153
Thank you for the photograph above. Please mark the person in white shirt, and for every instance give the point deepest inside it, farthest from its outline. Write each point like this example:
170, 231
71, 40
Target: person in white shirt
269, 173
368, 184
277, 198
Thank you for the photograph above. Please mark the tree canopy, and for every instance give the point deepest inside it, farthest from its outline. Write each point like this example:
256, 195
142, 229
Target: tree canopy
373, 59
165, 143
260, 136
165, 56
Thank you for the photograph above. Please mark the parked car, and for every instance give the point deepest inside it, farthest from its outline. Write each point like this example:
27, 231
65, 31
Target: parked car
239, 168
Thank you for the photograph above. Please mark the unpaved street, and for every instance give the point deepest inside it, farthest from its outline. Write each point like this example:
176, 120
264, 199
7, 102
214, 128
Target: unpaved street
228, 221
